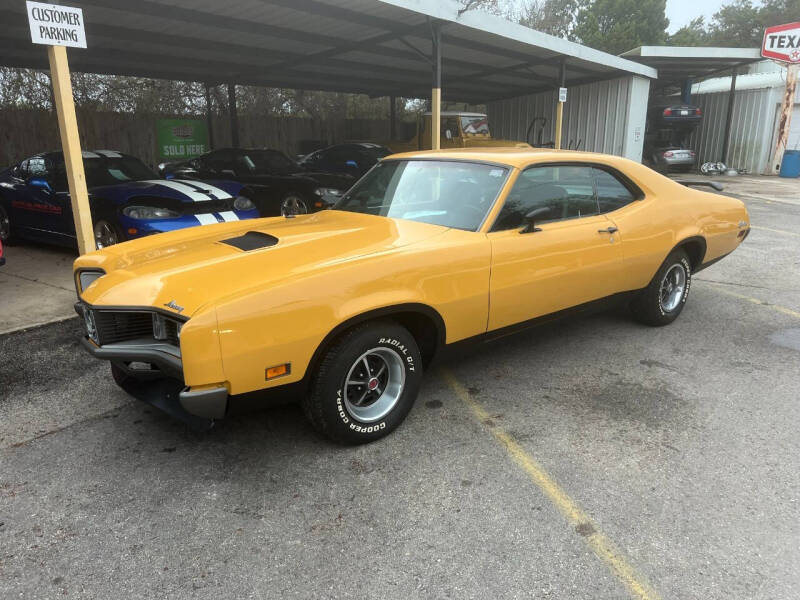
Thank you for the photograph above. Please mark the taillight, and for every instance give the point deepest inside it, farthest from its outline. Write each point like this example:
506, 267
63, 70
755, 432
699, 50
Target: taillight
668, 154
691, 153
698, 112
667, 112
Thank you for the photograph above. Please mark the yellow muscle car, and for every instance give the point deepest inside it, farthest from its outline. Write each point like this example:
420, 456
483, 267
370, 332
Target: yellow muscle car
347, 307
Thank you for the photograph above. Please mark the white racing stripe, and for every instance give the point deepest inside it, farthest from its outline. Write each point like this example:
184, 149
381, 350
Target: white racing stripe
184, 189
211, 189
229, 215
206, 219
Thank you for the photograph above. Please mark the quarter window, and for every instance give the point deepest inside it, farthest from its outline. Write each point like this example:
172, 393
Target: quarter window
611, 192
566, 190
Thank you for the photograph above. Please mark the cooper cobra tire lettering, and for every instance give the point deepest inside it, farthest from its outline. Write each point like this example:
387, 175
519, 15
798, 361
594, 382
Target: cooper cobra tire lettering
326, 405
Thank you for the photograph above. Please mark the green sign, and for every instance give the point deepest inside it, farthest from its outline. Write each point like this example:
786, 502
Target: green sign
181, 138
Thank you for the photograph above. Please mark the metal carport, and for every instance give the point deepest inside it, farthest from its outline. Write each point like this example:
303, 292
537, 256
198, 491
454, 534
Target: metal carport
376, 47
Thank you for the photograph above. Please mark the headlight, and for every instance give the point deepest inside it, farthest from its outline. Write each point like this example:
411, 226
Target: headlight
242, 203
149, 212
330, 194
91, 325
87, 278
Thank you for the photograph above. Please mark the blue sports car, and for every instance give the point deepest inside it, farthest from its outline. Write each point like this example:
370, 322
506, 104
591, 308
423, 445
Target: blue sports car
127, 200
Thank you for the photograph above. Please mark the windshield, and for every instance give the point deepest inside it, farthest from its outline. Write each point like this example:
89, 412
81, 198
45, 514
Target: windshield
265, 161
475, 125
110, 171
448, 193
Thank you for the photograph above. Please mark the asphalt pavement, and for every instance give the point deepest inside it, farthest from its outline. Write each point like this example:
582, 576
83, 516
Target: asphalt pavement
592, 458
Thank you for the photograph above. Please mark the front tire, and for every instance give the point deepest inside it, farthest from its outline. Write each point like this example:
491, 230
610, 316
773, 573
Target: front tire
366, 383
663, 299
5, 227
293, 204
107, 233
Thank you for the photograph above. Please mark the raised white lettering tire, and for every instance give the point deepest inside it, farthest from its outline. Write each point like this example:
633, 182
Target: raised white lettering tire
663, 299
366, 383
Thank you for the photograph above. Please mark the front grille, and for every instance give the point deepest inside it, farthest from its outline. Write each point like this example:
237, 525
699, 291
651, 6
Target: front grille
122, 326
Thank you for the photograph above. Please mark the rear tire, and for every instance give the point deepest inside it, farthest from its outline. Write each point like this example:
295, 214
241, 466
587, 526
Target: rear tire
663, 299
366, 383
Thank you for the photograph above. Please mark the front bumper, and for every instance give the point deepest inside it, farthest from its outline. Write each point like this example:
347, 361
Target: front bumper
162, 388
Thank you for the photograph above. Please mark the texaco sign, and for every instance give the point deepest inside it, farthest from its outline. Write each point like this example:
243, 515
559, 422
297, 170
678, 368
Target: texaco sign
782, 42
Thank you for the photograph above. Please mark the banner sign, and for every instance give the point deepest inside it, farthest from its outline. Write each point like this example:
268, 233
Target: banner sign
55, 25
181, 138
782, 42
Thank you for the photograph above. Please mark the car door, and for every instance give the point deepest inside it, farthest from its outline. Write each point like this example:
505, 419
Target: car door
37, 206
572, 257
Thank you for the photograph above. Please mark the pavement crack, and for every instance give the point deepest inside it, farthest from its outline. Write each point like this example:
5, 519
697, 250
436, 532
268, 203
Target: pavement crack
96, 417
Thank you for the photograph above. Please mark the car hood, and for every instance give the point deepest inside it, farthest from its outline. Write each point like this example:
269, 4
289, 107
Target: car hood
195, 267
182, 190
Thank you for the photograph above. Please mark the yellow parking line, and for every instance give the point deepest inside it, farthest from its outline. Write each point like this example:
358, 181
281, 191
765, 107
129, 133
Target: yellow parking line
783, 231
775, 307
600, 544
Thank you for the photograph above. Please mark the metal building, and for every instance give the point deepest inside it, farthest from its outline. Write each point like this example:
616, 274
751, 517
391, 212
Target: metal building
754, 124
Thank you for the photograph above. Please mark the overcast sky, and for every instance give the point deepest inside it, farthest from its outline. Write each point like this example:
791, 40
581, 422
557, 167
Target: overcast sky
680, 12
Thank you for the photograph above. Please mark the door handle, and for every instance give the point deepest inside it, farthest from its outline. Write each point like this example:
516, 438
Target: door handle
611, 229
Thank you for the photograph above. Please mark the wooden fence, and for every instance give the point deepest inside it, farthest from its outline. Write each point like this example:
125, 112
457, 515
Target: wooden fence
24, 132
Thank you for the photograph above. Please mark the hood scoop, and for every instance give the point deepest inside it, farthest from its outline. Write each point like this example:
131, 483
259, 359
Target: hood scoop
252, 240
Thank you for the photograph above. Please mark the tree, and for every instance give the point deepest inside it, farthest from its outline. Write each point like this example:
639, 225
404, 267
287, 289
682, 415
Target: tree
742, 24
556, 17
619, 25
693, 34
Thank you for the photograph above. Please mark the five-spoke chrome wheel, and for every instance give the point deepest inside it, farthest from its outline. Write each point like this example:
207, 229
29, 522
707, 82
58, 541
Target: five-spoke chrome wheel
293, 205
672, 288
374, 384
105, 234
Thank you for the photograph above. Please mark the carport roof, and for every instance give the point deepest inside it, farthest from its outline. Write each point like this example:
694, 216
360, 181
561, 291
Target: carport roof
377, 47
677, 63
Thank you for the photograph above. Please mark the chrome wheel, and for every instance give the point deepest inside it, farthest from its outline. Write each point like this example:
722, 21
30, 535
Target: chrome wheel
5, 225
374, 384
293, 205
672, 288
105, 235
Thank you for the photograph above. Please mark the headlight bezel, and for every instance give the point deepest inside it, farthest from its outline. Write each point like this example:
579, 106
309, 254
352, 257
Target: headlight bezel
139, 211
86, 277
243, 203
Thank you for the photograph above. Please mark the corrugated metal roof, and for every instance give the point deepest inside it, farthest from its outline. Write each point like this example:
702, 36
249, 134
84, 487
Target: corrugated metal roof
376, 47
677, 63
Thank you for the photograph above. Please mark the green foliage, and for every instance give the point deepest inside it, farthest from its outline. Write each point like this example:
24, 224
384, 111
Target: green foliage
615, 26
693, 34
740, 24
556, 17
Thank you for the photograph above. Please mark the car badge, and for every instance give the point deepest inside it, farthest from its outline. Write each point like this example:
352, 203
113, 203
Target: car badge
174, 306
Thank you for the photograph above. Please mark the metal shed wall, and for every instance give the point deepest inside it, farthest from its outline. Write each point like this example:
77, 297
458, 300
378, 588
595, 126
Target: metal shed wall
752, 125
606, 116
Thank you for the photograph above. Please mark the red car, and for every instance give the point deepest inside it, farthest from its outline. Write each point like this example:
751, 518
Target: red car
2, 258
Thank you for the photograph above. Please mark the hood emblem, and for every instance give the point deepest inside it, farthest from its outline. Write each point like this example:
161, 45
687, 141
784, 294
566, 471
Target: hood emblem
174, 306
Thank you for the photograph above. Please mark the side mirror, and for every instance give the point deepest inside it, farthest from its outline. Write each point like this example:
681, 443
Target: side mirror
448, 134
36, 182
532, 217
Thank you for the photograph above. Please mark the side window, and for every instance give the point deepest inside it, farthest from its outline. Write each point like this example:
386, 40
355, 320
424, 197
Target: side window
567, 191
218, 161
37, 168
22, 170
611, 192
450, 124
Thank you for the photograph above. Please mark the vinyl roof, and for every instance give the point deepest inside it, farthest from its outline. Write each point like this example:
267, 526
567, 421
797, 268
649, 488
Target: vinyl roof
676, 63
378, 47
